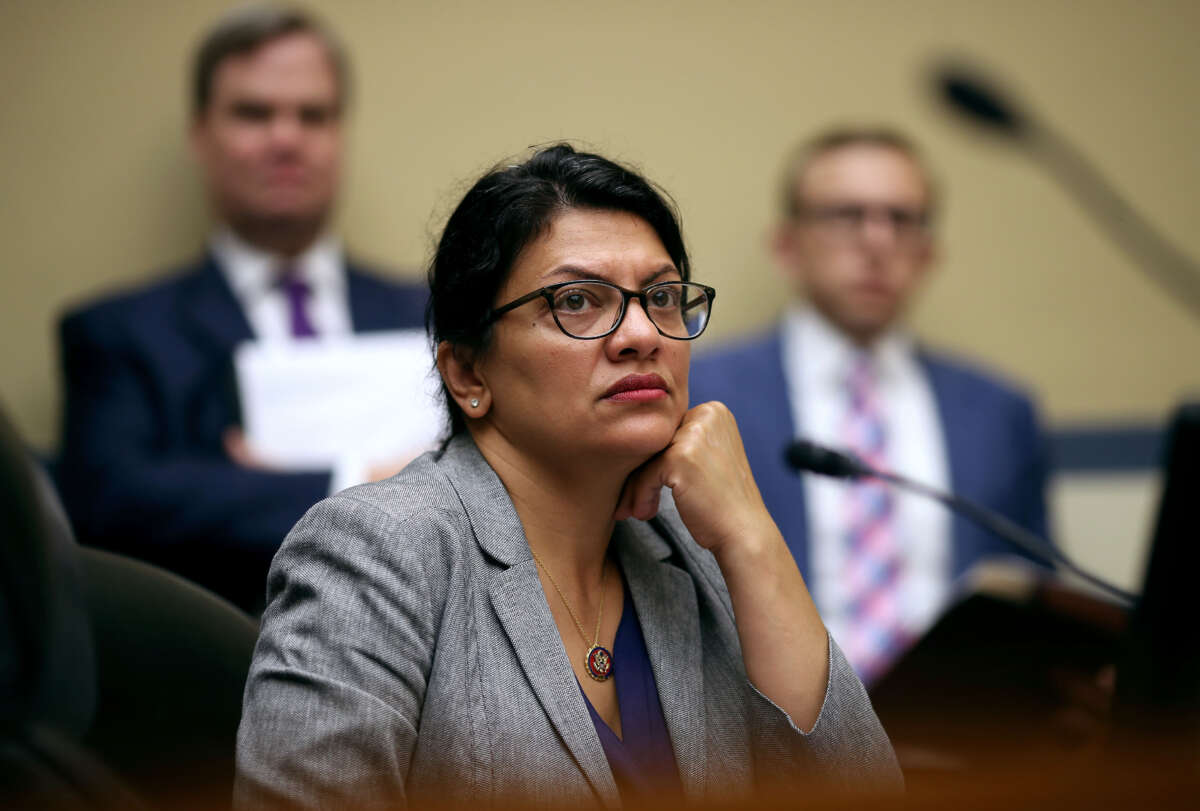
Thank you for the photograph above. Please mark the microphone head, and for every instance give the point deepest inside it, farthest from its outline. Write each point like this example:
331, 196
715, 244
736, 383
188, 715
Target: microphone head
974, 97
804, 456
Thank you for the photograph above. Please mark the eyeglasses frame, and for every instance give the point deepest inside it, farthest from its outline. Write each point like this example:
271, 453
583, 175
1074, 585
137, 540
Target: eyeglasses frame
918, 226
548, 292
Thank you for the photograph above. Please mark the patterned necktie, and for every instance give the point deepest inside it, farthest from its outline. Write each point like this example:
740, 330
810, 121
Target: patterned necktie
873, 562
297, 291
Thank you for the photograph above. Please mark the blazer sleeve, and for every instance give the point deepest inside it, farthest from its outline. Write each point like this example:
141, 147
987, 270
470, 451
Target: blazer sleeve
124, 483
334, 695
846, 749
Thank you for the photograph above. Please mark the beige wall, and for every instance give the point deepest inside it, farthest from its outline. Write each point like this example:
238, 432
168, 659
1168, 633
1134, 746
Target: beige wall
1104, 522
705, 96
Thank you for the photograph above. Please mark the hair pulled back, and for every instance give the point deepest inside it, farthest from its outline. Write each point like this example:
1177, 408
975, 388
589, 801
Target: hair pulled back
507, 209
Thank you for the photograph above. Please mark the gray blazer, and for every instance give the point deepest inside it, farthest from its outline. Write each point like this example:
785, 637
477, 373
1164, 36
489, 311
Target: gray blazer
408, 654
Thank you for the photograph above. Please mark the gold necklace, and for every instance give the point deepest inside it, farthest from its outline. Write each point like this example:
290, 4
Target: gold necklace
598, 662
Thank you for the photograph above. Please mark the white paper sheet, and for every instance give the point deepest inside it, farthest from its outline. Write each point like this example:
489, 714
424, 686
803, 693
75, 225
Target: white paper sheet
373, 398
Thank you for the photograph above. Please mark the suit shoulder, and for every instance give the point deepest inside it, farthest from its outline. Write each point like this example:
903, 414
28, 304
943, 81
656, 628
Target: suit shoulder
385, 304
738, 351
739, 373
414, 513
420, 490
130, 301
971, 376
374, 278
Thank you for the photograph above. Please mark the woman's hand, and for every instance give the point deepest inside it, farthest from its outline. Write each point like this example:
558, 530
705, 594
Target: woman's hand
784, 644
705, 466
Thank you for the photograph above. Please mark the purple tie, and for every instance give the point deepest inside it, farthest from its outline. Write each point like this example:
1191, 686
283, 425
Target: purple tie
875, 635
297, 291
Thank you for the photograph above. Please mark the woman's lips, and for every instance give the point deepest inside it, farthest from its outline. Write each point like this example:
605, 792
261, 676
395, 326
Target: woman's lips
637, 388
638, 395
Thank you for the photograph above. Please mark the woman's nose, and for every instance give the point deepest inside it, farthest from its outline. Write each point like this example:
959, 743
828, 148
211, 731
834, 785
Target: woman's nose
636, 331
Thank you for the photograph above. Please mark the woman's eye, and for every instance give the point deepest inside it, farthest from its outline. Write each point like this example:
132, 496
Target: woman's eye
663, 298
572, 301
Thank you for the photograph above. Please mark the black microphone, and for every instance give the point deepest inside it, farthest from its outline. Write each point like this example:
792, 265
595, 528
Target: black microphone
978, 100
804, 456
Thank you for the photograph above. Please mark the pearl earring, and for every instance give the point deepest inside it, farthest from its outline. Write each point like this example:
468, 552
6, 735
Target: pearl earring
474, 402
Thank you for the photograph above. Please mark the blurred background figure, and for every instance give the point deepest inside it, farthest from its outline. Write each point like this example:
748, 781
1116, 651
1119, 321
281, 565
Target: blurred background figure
153, 459
856, 241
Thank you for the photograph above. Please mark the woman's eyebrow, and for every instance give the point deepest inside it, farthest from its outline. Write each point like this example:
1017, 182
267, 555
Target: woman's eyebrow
658, 274
575, 272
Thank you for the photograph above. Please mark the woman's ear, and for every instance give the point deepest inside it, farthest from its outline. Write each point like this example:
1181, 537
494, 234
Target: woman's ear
466, 385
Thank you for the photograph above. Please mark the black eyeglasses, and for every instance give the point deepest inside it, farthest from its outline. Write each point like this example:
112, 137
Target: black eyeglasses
908, 224
589, 308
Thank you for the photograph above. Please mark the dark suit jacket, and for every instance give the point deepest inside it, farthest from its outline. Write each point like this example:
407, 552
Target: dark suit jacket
149, 392
997, 454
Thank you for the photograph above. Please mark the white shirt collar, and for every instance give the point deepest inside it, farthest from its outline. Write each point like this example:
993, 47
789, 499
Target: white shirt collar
829, 353
253, 272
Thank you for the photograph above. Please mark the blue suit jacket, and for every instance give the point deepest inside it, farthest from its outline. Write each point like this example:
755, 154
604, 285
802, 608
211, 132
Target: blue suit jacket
997, 455
148, 393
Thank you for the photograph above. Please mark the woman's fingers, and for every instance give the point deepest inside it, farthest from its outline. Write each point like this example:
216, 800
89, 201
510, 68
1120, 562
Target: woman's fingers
640, 496
711, 481
705, 466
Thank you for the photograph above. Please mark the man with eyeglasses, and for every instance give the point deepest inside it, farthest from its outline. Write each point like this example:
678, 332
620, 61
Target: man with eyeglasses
154, 463
856, 241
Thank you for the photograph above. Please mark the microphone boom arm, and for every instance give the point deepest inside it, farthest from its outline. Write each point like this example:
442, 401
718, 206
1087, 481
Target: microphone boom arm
1007, 529
1169, 266
804, 456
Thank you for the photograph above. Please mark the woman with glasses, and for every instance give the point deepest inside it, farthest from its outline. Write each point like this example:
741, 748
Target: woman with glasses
581, 598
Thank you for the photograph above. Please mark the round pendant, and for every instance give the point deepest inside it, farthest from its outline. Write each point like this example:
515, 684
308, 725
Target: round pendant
599, 663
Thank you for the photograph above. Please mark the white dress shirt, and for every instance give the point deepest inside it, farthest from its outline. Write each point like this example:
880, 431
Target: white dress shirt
817, 360
253, 276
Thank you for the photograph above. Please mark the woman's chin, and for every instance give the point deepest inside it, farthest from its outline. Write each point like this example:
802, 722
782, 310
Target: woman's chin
637, 446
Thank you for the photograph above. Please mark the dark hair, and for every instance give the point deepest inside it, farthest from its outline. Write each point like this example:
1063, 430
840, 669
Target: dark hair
828, 141
508, 208
249, 28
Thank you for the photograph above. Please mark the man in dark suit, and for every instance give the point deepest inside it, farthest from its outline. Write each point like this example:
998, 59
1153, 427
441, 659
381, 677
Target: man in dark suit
153, 459
856, 242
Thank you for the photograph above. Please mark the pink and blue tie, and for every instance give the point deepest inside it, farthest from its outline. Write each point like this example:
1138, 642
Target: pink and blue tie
873, 561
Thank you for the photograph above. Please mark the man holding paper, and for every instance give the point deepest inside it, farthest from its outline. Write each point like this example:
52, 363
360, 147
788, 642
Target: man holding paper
154, 459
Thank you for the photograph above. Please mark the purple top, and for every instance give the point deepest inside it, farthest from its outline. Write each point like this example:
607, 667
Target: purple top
642, 762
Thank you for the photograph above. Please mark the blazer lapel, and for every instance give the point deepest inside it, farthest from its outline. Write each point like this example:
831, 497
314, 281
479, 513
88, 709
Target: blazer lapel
963, 454
521, 608
208, 306
765, 439
211, 325
665, 599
